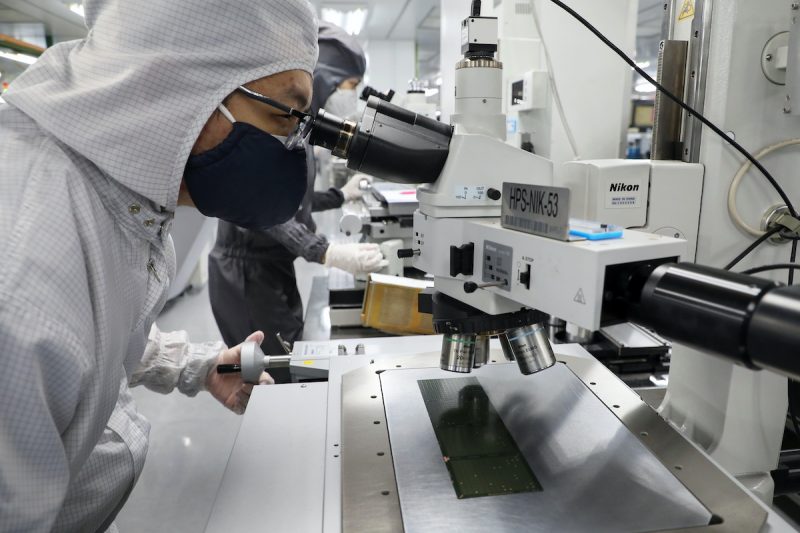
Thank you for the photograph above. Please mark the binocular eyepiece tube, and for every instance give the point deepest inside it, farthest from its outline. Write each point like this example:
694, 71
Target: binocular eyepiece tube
390, 142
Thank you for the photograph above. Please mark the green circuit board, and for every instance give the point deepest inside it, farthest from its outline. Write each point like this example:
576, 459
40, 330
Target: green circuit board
478, 449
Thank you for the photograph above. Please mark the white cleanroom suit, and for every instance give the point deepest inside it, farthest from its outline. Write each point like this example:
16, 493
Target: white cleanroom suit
94, 139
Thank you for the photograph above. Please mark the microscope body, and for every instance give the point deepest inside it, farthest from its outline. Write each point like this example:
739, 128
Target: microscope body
459, 237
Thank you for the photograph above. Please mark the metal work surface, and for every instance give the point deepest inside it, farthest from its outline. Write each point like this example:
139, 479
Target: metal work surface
578, 450
275, 475
275, 480
370, 499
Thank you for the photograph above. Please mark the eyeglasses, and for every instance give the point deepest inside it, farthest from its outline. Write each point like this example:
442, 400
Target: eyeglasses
305, 121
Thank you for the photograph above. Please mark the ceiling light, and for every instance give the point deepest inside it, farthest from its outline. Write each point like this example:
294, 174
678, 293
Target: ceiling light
19, 58
77, 8
352, 20
645, 87
643, 65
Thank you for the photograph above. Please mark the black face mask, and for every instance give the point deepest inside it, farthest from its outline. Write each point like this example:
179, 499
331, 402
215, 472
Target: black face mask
251, 180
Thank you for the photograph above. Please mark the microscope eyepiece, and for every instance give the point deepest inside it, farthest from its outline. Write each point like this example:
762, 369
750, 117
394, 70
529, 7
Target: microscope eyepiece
332, 133
390, 142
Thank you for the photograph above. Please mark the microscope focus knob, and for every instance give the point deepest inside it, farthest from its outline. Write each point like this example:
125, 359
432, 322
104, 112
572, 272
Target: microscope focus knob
494, 194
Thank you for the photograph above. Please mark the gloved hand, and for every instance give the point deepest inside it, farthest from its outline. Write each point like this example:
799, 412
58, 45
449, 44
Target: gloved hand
355, 188
229, 389
355, 257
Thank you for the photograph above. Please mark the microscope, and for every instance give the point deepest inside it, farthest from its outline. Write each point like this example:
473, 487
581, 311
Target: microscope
490, 230
461, 168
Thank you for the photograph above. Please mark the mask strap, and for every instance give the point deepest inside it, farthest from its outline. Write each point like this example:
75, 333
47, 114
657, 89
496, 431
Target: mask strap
226, 113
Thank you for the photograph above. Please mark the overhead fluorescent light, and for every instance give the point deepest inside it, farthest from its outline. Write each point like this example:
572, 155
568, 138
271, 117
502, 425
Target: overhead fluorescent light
77, 8
352, 19
645, 86
19, 58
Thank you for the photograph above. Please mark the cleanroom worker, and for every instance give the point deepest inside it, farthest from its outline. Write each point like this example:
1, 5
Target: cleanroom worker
252, 282
100, 140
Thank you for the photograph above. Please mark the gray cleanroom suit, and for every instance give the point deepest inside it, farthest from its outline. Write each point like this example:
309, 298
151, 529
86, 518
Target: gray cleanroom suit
252, 280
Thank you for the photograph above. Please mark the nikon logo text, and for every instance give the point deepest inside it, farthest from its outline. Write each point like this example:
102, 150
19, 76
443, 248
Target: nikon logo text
624, 187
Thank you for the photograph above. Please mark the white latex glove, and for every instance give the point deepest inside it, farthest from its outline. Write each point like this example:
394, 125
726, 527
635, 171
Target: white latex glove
355, 188
355, 257
229, 389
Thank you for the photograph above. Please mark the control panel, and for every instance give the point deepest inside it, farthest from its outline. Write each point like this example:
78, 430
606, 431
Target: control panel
498, 263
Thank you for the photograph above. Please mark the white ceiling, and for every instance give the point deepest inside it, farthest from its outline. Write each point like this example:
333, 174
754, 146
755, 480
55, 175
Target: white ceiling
32, 20
388, 19
416, 20
61, 23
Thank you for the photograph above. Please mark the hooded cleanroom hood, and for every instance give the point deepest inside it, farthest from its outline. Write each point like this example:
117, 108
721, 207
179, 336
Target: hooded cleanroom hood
133, 96
340, 58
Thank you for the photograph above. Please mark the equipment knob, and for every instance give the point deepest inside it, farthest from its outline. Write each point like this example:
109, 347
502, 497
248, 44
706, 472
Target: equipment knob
470, 287
351, 224
407, 253
494, 194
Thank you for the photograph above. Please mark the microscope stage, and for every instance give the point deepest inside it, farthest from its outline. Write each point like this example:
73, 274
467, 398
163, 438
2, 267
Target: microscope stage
556, 458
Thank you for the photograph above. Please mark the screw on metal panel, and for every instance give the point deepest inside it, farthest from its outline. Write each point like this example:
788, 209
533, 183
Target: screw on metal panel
769, 57
795, 6
134, 209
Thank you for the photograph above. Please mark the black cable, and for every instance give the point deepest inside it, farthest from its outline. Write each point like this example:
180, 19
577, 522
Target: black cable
792, 398
752, 247
793, 259
681, 103
770, 268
